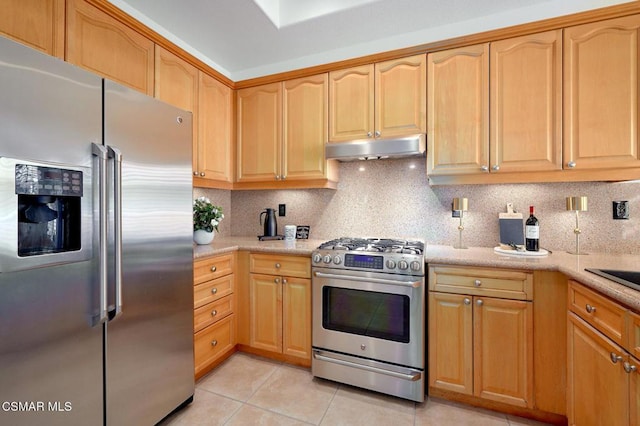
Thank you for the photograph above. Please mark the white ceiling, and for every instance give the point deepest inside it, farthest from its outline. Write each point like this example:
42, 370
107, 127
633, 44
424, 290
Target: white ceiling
244, 39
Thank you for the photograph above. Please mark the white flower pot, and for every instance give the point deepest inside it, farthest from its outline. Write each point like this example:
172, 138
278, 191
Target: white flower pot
202, 237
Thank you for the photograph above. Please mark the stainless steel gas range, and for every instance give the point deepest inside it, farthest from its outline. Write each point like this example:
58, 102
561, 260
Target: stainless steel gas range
369, 315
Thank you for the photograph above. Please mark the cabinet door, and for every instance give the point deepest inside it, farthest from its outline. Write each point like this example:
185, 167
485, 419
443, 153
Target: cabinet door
601, 94
451, 342
296, 322
401, 96
215, 121
351, 95
598, 389
634, 391
305, 127
265, 299
526, 103
458, 111
105, 46
37, 23
503, 350
259, 133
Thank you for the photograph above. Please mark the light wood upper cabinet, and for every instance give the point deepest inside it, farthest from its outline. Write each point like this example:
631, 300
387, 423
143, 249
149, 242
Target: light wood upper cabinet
526, 103
37, 23
215, 132
176, 81
107, 47
382, 100
458, 110
601, 94
259, 115
305, 106
351, 93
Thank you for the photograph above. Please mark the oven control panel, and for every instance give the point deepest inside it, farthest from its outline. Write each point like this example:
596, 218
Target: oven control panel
363, 261
405, 264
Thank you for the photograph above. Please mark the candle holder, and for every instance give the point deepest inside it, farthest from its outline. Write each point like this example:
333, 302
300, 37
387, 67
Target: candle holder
577, 204
460, 205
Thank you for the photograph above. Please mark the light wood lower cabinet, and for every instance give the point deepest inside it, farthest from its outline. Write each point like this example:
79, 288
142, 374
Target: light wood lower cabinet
214, 303
480, 344
280, 306
603, 383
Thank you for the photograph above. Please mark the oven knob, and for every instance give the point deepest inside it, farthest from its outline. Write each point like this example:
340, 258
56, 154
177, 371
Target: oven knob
391, 264
403, 264
317, 258
415, 265
337, 260
327, 259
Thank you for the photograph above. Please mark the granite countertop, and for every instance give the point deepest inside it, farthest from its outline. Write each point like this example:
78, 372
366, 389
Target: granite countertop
571, 265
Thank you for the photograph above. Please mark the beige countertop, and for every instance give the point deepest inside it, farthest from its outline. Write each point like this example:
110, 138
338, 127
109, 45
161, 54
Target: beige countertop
571, 265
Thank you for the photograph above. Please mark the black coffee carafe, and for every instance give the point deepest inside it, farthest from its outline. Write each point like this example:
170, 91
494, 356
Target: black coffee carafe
270, 224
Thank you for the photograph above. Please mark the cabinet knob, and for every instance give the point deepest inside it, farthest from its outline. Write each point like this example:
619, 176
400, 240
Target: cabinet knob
277, 266
467, 301
477, 283
213, 268
214, 313
590, 309
214, 290
479, 302
214, 342
201, 174
495, 167
195, 173
629, 368
377, 134
369, 134
276, 280
284, 281
571, 164
277, 177
615, 358
484, 168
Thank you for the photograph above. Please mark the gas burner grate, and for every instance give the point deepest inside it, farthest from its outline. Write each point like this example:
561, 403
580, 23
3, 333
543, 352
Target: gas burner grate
380, 245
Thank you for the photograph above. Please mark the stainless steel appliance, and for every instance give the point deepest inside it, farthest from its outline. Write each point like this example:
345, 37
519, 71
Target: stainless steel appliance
96, 298
369, 315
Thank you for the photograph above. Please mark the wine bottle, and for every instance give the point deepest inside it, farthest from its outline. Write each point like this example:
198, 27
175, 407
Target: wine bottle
532, 232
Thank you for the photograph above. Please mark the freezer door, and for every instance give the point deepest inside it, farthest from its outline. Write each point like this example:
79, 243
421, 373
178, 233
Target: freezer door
149, 345
50, 349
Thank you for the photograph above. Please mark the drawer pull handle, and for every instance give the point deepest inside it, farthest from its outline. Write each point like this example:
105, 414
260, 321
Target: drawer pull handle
615, 358
277, 266
214, 342
477, 283
467, 301
214, 313
213, 268
629, 368
590, 309
214, 290
479, 302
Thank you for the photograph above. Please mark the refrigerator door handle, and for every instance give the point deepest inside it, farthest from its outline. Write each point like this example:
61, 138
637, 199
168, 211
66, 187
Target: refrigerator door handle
101, 152
116, 155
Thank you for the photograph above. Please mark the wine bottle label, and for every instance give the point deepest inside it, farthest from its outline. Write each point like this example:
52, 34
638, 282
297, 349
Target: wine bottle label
532, 232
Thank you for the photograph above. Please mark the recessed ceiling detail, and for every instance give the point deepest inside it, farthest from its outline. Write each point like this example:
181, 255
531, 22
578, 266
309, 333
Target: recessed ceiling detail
283, 13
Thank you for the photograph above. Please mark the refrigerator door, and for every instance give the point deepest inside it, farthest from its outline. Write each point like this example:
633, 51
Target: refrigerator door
149, 345
50, 349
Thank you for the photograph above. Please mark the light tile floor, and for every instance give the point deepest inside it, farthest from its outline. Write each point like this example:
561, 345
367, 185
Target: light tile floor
249, 390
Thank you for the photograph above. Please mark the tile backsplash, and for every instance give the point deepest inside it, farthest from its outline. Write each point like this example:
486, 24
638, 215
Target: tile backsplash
392, 198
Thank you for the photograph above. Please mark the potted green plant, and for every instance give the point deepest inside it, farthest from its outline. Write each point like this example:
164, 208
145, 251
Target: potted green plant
206, 218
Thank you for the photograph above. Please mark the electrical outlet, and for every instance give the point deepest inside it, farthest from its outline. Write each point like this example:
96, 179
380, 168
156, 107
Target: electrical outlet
620, 209
282, 210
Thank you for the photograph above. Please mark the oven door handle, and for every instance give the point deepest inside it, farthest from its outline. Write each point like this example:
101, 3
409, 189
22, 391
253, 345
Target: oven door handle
410, 377
413, 284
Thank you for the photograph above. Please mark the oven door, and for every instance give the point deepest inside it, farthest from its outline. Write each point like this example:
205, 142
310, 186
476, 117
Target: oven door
371, 315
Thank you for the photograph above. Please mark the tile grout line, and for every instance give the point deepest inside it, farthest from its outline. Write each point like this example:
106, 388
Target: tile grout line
329, 404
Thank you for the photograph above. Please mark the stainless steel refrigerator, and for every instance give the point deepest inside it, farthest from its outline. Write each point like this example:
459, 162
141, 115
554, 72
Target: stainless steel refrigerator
96, 296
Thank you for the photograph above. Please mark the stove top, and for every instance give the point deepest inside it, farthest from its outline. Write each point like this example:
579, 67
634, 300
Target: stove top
377, 245
392, 256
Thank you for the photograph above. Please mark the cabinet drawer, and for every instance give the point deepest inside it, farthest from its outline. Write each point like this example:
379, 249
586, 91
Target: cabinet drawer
290, 266
499, 283
212, 290
605, 315
634, 334
212, 312
214, 341
213, 267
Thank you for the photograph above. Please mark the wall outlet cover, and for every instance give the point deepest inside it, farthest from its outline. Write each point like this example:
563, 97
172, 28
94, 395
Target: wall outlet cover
620, 209
282, 209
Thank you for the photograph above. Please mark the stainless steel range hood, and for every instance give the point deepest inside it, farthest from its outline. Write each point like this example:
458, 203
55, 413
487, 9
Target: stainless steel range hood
376, 149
